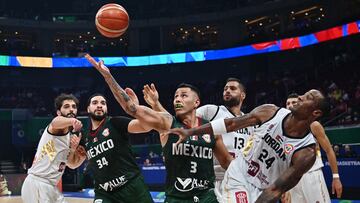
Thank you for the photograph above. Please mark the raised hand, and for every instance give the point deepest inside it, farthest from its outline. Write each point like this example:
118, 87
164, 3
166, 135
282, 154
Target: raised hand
74, 142
151, 95
132, 95
105, 72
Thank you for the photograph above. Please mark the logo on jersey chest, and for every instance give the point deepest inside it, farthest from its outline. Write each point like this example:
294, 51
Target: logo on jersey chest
207, 138
188, 184
106, 132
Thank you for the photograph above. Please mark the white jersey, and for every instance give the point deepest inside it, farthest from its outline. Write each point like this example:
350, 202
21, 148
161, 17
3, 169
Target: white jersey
233, 141
268, 153
51, 157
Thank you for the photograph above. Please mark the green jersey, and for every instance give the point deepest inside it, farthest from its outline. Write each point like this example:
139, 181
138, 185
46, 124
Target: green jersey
109, 154
189, 165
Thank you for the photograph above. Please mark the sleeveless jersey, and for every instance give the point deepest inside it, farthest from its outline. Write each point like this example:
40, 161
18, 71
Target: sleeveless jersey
189, 165
269, 151
51, 157
233, 141
110, 155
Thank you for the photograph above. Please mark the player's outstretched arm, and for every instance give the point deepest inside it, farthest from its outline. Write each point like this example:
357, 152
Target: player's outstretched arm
319, 132
119, 93
149, 119
222, 126
302, 161
61, 123
151, 97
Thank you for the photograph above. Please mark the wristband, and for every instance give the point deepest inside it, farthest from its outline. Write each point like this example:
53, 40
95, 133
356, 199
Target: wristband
218, 126
336, 175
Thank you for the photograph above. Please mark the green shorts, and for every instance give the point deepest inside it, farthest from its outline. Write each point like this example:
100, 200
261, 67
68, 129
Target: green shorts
206, 197
135, 191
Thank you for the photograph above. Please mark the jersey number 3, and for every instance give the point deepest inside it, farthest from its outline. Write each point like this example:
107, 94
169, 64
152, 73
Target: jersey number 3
102, 162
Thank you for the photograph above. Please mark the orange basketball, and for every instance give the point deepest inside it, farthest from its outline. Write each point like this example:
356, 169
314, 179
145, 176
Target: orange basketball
112, 20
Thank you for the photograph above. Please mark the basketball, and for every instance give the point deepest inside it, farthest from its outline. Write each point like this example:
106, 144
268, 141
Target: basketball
112, 20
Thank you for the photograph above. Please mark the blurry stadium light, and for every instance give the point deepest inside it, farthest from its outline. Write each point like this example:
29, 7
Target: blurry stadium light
207, 26
186, 31
246, 21
88, 33
16, 33
181, 29
86, 41
80, 36
260, 24
94, 37
322, 15
292, 12
72, 40
306, 13
258, 19
321, 9
306, 10
194, 28
5, 40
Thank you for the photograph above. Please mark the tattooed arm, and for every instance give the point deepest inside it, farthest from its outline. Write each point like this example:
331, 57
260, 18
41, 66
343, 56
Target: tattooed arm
146, 118
119, 93
301, 161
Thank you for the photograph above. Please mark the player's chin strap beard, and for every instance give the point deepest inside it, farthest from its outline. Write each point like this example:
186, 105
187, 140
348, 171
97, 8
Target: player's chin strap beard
96, 117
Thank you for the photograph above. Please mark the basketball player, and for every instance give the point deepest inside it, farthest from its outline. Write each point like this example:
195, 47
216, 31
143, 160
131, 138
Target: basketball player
56, 149
274, 159
117, 176
312, 186
233, 97
189, 165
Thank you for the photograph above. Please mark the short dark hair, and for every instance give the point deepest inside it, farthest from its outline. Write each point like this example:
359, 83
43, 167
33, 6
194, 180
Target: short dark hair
92, 96
293, 95
192, 87
242, 86
62, 97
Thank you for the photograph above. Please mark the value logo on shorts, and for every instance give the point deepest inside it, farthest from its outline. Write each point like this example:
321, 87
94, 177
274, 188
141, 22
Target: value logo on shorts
241, 197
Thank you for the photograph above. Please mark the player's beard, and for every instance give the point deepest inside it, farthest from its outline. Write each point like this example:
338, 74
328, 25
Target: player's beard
232, 102
97, 117
69, 115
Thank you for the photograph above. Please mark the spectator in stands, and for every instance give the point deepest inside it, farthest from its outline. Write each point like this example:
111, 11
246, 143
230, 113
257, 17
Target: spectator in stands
337, 150
349, 153
147, 162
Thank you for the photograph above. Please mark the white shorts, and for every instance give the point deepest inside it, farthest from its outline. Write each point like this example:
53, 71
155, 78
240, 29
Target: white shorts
235, 188
311, 188
36, 190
